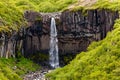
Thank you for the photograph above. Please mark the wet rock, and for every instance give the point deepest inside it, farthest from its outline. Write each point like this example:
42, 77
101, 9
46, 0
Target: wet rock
38, 75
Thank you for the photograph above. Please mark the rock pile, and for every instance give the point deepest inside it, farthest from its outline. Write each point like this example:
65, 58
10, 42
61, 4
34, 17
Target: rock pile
38, 75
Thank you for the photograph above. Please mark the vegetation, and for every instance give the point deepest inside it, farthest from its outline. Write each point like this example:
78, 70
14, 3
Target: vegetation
100, 62
11, 11
100, 4
107, 4
11, 18
12, 69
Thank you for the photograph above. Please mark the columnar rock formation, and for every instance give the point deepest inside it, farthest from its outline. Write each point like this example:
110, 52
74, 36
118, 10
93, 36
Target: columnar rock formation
11, 43
76, 30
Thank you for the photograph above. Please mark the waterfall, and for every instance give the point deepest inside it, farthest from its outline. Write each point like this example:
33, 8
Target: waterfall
53, 53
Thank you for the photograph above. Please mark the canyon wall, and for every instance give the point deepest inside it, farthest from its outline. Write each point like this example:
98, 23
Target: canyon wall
76, 30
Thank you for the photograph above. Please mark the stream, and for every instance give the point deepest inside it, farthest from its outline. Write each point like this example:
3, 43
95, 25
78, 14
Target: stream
38, 75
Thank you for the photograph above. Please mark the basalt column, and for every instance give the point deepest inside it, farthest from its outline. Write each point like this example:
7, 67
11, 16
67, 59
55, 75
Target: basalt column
78, 29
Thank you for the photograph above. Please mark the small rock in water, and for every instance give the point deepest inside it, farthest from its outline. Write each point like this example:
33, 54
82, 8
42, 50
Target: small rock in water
36, 79
38, 75
50, 71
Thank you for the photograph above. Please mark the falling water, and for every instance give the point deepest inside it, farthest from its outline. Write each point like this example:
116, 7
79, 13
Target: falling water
54, 60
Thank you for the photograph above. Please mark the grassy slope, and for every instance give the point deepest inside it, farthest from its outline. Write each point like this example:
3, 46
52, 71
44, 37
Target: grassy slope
11, 18
100, 4
11, 69
101, 61
11, 11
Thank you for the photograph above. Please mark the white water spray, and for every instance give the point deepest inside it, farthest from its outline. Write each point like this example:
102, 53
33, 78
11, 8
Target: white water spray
53, 53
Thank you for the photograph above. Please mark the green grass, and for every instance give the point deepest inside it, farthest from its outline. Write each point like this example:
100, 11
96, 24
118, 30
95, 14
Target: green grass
100, 62
10, 17
106, 4
100, 4
13, 69
11, 11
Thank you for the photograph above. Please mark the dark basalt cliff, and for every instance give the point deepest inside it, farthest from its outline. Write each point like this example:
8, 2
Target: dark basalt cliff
76, 30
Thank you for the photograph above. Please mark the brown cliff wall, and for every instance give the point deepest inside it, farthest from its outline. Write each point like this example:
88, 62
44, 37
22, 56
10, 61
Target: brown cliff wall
76, 30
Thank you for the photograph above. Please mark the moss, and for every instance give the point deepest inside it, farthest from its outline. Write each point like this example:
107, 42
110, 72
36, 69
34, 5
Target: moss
100, 62
105, 4
67, 58
39, 57
7, 17
100, 4
7, 73
77, 8
12, 69
38, 18
11, 12
26, 65
2, 77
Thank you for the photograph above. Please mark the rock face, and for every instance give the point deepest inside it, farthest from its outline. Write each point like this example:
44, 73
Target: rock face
37, 34
76, 30
11, 43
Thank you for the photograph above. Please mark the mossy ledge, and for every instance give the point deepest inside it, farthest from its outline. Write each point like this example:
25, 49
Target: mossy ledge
99, 5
